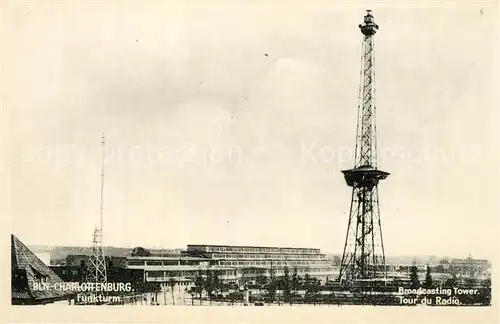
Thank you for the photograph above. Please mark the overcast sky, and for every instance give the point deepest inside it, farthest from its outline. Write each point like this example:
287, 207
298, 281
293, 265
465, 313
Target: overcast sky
229, 123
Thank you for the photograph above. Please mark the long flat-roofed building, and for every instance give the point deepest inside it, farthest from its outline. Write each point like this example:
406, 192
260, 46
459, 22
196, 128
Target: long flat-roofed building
183, 269
252, 261
233, 264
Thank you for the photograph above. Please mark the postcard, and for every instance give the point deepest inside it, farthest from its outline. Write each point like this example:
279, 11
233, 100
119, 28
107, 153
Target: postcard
251, 161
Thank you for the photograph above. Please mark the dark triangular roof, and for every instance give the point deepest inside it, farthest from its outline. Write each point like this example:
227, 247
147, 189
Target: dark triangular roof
26, 267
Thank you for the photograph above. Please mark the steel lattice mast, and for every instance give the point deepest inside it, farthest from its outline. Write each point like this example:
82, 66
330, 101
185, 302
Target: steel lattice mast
96, 272
363, 256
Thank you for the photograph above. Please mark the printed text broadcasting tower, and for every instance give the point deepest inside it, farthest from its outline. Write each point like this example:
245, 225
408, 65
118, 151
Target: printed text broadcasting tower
363, 256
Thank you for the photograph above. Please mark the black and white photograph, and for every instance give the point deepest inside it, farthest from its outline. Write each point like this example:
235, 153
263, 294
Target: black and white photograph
251, 155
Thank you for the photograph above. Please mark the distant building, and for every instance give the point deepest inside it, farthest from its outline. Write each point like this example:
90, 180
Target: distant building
444, 265
469, 267
335, 260
81, 260
28, 271
75, 265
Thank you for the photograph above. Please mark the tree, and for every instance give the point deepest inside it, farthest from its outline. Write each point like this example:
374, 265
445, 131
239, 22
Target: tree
83, 271
207, 285
212, 284
227, 287
271, 287
428, 278
316, 289
140, 251
307, 285
172, 282
235, 296
286, 285
469, 282
307, 280
295, 282
414, 277
198, 286
216, 283
312, 286
271, 291
450, 282
148, 287
330, 286
191, 291
261, 280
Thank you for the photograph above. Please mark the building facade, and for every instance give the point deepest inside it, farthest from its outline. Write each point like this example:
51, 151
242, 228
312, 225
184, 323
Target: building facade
181, 269
251, 261
233, 264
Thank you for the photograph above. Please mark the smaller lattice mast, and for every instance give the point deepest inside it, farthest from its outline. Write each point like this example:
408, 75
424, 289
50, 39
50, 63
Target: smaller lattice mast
96, 272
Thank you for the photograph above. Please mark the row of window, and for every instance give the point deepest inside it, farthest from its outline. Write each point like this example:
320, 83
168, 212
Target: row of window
268, 256
192, 274
233, 263
162, 263
281, 271
252, 249
269, 263
181, 283
469, 261
187, 273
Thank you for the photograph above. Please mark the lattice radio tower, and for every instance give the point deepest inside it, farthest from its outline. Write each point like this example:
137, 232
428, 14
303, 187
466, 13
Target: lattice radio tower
96, 272
364, 256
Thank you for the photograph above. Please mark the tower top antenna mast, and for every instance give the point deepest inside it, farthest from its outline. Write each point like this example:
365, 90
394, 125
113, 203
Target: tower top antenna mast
103, 143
